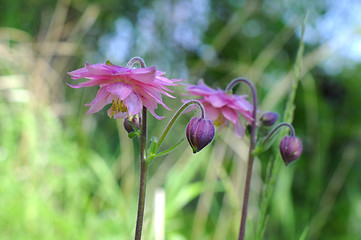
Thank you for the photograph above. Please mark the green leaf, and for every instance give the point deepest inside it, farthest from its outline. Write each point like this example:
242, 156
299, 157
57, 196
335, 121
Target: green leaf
109, 63
134, 134
304, 234
152, 156
153, 148
169, 149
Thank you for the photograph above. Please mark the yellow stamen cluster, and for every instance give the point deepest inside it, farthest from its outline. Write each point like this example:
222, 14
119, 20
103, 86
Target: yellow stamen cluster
219, 121
118, 106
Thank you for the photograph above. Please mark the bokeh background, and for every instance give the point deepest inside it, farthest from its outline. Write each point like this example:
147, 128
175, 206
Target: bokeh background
68, 175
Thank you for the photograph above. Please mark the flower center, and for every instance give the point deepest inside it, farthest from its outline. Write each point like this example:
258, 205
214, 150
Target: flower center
219, 121
118, 106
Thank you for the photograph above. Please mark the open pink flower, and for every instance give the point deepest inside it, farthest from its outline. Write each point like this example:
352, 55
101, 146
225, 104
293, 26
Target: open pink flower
222, 107
127, 89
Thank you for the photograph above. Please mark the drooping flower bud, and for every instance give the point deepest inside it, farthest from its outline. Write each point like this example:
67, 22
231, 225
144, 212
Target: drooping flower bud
290, 148
130, 123
200, 132
269, 118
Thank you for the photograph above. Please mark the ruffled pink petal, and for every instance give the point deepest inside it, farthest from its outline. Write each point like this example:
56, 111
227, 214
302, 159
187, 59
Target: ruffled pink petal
99, 69
147, 100
145, 75
122, 90
242, 103
151, 97
110, 112
133, 103
155, 88
157, 96
120, 115
91, 83
151, 110
201, 89
117, 69
239, 129
101, 99
230, 114
216, 100
198, 91
211, 112
159, 73
78, 73
165, 81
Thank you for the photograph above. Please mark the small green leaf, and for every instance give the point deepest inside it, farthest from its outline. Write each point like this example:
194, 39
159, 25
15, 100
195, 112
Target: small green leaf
304, 233
151, 156
134, 134
153, 148
169, 149
109, 63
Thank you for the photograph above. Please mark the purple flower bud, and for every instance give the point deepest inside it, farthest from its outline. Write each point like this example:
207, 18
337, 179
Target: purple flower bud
129, 122
200, 132
290, 148
269, 118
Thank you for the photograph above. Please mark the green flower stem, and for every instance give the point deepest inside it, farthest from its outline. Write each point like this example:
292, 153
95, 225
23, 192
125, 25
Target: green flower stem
143, 175
242, 228
143, 157
176, 115
277, 127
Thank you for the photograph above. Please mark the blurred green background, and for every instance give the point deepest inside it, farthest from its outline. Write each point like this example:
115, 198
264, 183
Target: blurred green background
68, 175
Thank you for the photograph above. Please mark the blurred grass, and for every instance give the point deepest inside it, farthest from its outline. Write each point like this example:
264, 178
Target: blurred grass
67, 175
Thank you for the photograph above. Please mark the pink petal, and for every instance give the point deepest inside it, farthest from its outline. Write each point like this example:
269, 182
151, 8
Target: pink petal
99, 69
230, 114
166, 81
239, 129
120, 115
101, 99
133, 103
157, 96
154, 114
77, 73
147, 100
91, 83
119, 89
211, 112
216, 100
145, 75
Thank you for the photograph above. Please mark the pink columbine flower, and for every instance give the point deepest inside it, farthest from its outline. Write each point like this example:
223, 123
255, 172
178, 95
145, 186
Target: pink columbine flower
127, 89
222, 107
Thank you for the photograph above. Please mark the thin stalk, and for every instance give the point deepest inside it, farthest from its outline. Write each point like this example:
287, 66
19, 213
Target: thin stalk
277, 127
135, 60
242, 228
143, 157
176, 115
143, 175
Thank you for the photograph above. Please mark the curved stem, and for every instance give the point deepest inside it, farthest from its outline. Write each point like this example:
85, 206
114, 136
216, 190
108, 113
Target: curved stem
242, 228
135, 60
143, 175
176, 115
278, 127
